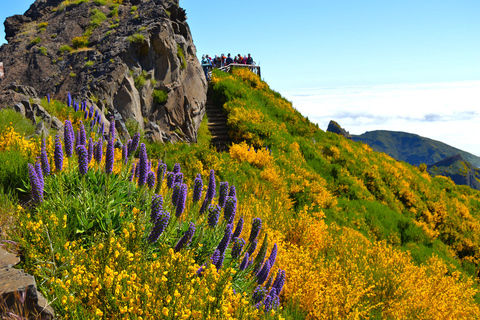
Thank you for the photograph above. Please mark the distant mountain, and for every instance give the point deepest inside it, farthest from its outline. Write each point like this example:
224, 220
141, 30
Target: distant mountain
459, 170
412, 148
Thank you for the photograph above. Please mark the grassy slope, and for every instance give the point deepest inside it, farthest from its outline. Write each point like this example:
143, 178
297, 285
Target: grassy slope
359, 234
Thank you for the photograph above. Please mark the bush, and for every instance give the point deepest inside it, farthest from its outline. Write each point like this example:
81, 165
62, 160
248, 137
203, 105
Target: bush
181, 56
64, 48
43, 50
96, 19
136, 38
80, 42
35, 40
159, 96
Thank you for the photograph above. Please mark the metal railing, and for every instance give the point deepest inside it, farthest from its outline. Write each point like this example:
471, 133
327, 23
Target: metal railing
253, 68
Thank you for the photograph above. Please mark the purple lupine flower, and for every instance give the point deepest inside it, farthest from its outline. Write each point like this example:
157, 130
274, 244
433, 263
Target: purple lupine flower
161, 169
91, 112
215, 257
102, 129
109, 156
222, 195
238, 229
182, 199
187, 237
83, 136
175, 192
179, 177
160, 225
271, 300
132, 174
238, 245
149, 166
176, 168
85, 115
48, 98
77, 138
151, 180
256, 227
269, 281
82, 159
279, 281
112, 128
252, 247
98, 152
156, 207
227, 236
37, 190
90, 149
69, 99
58, 154
273, 255
197, 188
243, 264
211, 186
230, 209
39, 171
170, 179
204, 206
233, 191
124, 154
44, 159
219, 263
134, 144
137, 170
92, 124
76, 107
259, 294
213, 214
142, 172
68, 138
263, 273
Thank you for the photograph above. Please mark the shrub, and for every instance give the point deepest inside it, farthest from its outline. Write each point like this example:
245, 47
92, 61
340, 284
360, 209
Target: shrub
80, 42
96, 19
64, 48
159, 96
43, 50
88, 64
136, 38
100, 2
181, 56
35, 40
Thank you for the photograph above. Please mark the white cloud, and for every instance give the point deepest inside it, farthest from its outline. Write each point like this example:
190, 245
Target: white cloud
447, 111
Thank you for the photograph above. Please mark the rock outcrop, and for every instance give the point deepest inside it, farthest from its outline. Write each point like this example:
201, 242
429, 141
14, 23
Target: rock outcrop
334, 127
135, 61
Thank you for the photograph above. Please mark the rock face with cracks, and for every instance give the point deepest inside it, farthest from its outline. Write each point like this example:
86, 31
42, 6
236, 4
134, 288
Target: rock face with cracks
133, 59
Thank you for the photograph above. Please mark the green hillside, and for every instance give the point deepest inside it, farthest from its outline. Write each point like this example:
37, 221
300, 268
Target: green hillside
412, 148
359, 234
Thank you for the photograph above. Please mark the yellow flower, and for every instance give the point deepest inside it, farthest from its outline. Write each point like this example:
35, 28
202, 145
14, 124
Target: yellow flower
165, 311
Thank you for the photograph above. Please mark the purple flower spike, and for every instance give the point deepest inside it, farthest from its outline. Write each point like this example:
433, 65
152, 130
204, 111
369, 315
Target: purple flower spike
227, 236
263, 273
37, 190
170, 179
179, 177
76, 107
98, 152
223, 193
135, 143
109, 157
132, 174
157, 206
219, 263
182, 199
215, 257
211, 186
91, 112
137, 170
204, 206
238, 229
279, 281
271, 300
197, 188
82, 159
48, 98
259, 294
238, 245
252, 247
102, 129
273, 255
233, 191
175, 193
125, 154
44, 159
244, 263
112, 128
38, 170
69, 99
160, 225
85, 115
256, 227
151, 180
187, 237
83, 136
176, 168
68, 138
230, 209
90, 150
143, 162
161, 169
58, 154
213, 214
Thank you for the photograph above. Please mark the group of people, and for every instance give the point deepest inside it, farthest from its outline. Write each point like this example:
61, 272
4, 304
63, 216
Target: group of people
222, 60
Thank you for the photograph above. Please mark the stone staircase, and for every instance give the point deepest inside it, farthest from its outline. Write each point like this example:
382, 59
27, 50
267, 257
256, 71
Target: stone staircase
217, 125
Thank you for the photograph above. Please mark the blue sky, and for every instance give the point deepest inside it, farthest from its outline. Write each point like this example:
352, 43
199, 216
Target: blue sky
312, 50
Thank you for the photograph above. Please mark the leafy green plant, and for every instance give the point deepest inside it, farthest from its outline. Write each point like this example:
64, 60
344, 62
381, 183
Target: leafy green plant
181, 56
88, 64
35, 41
159, 96
64, 48
80, 42
43, 50
136, 38
100, 2
141, 79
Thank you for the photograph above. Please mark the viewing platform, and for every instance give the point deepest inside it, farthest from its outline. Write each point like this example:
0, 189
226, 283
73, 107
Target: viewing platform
253, 68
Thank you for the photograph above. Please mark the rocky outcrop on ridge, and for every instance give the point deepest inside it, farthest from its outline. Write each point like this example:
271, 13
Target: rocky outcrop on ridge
459, 170
134, 60
334, 127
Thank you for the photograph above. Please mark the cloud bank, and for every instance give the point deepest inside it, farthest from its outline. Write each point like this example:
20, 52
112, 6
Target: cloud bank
446, 111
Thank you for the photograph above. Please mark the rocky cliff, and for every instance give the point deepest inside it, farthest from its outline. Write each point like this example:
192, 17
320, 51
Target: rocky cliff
131, 59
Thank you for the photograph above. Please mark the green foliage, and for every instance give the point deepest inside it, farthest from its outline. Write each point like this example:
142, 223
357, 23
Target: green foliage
43, 50
96, 19
14, 171
35, 41
64, 48
133, 9
42, 26
133, 127
10, 118
136, 38
141, 79
100, 2
88, 64
181, 56
159, 96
